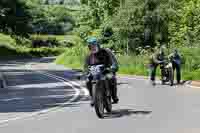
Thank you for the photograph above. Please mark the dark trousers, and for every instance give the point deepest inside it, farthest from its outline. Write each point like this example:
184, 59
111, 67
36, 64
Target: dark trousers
178, 71
112, 84
153, 68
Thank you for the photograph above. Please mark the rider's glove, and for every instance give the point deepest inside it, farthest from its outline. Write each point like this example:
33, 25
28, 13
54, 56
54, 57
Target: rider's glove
113, 68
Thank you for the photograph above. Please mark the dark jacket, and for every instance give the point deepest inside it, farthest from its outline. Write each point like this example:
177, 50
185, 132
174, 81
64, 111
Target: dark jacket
156, 58
103, 56
175, 58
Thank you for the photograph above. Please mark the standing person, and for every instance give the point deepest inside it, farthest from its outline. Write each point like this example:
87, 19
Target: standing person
100, 55
176, 63
156, 59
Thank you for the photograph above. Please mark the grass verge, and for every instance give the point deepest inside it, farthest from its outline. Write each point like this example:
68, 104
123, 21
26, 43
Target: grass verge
137, 65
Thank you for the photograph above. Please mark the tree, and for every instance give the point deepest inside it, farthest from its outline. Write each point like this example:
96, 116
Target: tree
50, 19
128, 26
15, 17
84, 2
100, 10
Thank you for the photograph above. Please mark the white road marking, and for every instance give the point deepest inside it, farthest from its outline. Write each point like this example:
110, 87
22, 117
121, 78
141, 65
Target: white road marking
60, 79
75, 96
11, 99
86, 92
40, 85
196, 87
35, 97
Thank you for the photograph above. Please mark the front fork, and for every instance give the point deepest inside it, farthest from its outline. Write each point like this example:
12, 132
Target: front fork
106, 90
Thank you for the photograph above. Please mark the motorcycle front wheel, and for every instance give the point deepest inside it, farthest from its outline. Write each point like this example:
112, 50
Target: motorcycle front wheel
99, 100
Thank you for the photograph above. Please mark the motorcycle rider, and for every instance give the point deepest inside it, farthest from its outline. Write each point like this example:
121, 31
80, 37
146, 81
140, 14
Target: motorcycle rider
176, 63
156, 59
103, 56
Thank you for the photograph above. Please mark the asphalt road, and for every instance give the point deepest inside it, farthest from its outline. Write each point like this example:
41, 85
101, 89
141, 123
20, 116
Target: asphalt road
46, 98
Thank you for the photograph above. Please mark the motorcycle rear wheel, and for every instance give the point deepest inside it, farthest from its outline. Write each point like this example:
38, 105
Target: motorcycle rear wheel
171, 77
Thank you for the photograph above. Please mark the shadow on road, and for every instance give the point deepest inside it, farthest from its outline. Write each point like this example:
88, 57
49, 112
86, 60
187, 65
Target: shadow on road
126, 112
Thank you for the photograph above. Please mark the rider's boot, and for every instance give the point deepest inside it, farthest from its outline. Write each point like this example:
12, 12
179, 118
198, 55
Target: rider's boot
114, 95
115, 100
89, 87
92, 102
113, 86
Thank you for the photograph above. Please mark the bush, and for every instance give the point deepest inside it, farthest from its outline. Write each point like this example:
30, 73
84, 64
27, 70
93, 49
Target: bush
84, 31
21, 41
54, 20
42, 52
45, 42
66, 43
7, 39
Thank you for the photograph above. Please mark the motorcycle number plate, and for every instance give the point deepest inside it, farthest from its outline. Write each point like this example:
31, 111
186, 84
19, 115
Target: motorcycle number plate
95, 70
109, 76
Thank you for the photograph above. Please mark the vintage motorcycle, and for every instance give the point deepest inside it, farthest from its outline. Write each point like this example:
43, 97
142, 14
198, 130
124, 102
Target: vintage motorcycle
101, 92
167, 73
